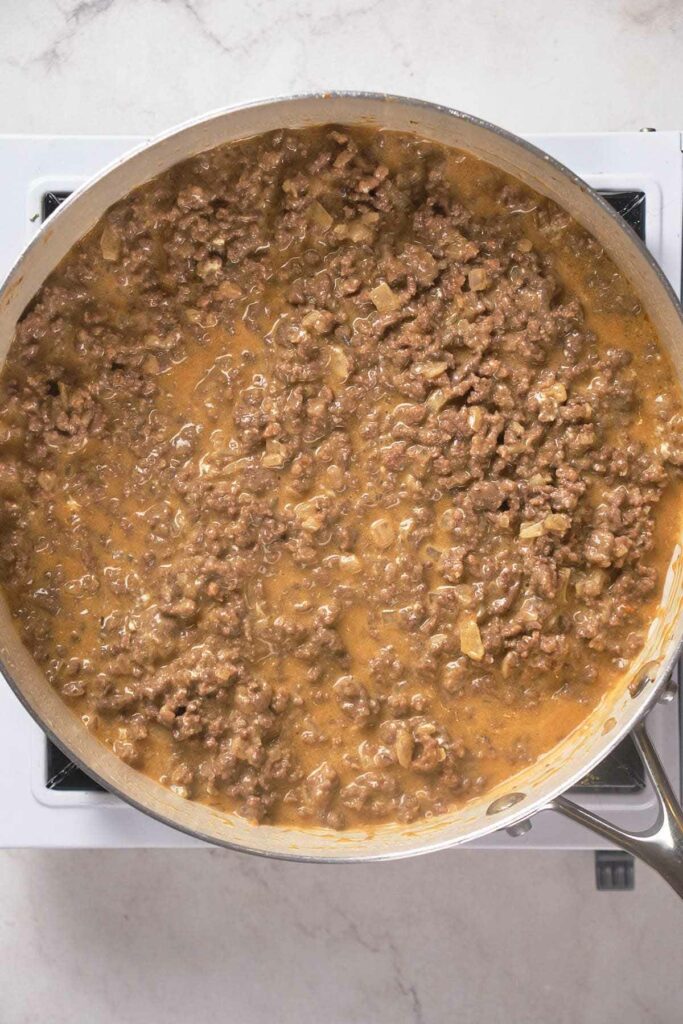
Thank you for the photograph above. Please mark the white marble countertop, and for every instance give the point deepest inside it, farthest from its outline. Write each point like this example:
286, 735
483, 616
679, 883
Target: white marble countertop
469, 937
456, 938
140, 66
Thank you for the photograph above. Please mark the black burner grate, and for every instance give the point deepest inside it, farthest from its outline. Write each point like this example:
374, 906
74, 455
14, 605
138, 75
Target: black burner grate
621, 772
631, 206
63, 775
51, 200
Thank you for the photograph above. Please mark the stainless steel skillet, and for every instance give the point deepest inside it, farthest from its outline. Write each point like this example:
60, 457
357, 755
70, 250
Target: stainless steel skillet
537, 788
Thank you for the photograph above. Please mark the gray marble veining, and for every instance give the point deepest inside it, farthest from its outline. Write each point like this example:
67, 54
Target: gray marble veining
142, 937
139, 66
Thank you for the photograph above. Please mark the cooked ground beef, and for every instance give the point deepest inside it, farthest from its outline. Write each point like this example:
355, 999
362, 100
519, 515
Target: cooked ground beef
339, 477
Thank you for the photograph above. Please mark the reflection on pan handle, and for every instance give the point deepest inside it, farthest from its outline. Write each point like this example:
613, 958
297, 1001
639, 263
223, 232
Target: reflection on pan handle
660, 846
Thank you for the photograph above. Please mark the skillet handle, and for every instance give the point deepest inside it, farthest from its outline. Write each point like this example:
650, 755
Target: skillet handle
660, 846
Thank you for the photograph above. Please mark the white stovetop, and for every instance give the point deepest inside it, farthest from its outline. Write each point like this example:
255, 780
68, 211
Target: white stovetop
481, 938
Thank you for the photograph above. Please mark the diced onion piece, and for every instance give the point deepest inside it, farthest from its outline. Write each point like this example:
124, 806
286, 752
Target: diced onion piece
275, 455
465, 594
318, 320
437, 400
459, 477
47, 480
470, 639
320, 216
384, 300
151, 364
229, 290
475, 417
592, 584
110, 245
478, 279
227, 470
358, 231
508, 663
209, 268
339, 363
517, 275
529, 530
350, 563
388, 612
404, 748
564, 575
558, 392
382, 533
556, 523
334, 476
310, 514
430, 370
